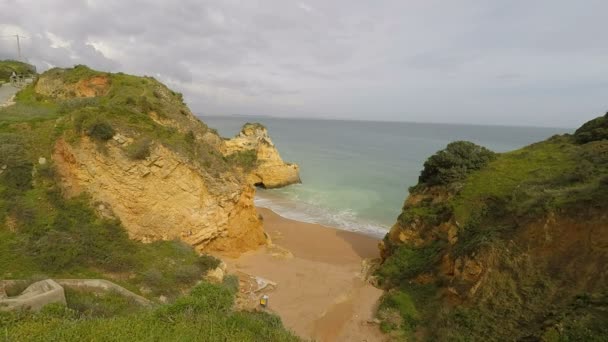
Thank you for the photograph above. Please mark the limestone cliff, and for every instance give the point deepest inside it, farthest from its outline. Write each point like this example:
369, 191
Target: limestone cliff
163, 197
136, 149
269, 171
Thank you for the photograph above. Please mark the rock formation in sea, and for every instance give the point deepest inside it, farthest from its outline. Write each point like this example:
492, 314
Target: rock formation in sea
270, 170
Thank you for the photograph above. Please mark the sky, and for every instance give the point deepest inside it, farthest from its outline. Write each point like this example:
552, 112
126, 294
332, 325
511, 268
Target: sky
509, 62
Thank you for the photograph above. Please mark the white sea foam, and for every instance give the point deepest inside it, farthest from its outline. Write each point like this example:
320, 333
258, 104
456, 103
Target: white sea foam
307, 212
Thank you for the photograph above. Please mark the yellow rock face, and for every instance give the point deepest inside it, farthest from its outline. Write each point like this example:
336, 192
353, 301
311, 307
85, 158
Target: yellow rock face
271, 171
91, 87
162, 197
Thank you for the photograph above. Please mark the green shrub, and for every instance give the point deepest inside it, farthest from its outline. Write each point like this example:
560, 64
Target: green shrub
427, 212
101, 131
179, 96
153, 278
406, 262
18, 176
207, 262
145, 105
78, 73
463, 324
454, 163
583, 172
56, 311
57, 250
246, 159
103, 304
473, 236
16, 172
594, 130
403, 304
74, 236
190, 138
69, 105
140, 149
12, 149
231, 282
203, 298
255, 125
187, 273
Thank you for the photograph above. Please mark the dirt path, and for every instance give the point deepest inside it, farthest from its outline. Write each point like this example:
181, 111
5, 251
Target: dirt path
7, 92
320, 294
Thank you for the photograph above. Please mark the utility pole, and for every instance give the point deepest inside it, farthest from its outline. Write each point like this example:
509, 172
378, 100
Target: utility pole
18, 46
18, 37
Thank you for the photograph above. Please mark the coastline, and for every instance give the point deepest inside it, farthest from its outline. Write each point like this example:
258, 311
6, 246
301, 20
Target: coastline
303, 211
319, 294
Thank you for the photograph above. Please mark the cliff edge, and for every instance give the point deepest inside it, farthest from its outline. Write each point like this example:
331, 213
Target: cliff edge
509, 246
133, 147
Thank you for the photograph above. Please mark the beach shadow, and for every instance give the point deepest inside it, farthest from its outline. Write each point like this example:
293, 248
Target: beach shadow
363, 245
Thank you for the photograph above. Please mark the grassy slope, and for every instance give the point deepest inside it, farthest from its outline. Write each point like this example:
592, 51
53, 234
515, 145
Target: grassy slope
203, 315
7, 67
44, 235
492, 206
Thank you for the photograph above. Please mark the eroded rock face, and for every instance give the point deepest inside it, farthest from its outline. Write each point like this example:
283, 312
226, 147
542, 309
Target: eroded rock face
217, 274
271, 171
549, 245
90, 87
163, 197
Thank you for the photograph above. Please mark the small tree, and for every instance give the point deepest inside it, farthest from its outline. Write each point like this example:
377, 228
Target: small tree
101, 130
140, 149
454, 163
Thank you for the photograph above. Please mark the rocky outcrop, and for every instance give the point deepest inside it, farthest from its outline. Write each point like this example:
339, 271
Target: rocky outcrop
163, 197
415, 230
88, 87
217, 274
270, 170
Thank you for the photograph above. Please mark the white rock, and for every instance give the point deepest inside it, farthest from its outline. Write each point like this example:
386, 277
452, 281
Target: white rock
215, 275
119, 139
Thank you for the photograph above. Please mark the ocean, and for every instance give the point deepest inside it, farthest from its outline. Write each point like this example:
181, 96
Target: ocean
356, 174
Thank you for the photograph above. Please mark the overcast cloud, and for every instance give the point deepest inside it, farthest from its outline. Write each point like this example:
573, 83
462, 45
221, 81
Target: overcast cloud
511, 62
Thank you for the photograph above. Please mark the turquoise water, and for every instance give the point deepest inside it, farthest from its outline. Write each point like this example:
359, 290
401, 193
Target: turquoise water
355, 174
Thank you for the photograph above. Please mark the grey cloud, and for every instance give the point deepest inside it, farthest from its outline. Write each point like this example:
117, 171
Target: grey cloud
423, 60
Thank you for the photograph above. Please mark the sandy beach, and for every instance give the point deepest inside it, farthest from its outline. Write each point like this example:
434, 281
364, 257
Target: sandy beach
319, 293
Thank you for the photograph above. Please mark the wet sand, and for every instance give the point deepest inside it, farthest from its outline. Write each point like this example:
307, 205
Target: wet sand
320, 294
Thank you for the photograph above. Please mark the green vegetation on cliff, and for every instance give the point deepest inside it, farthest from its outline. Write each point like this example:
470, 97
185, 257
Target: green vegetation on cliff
44, 234
594, 130
454, 163
205, 314
7, 67
507, 246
